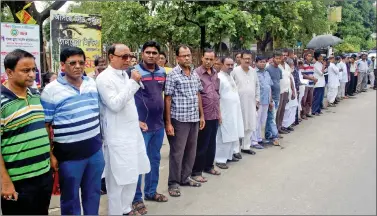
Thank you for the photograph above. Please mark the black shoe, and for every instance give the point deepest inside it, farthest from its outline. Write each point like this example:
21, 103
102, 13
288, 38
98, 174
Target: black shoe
234, 159
290, 128
248, 151
285, 129
237, 156
281, 131
309, 116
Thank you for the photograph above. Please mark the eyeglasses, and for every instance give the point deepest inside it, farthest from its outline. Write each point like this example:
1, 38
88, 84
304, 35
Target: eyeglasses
124, 57
150, 52
74, 63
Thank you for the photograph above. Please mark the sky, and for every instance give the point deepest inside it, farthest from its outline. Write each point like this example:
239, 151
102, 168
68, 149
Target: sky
39, 6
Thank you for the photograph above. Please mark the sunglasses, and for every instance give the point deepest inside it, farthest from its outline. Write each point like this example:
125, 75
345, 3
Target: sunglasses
74, 63
124, 57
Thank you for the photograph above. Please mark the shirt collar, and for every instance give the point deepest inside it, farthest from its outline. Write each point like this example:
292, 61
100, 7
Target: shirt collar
61, 78
143, 68
203, 70
180, 70
12, 96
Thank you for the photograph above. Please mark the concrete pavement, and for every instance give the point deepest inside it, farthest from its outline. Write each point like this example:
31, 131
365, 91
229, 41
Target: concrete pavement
327, 166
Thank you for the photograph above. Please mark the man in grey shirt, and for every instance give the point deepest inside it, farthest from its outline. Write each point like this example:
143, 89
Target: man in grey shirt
276, 74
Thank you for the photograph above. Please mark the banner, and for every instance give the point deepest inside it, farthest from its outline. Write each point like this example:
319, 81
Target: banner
24, 16
20, 36
335, 14
75, 30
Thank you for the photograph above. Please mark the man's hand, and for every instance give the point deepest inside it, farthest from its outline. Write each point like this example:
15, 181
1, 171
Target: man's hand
143, 126
271, 106
220, 120
54, 162
293, 96
202, 123
169, 130
8, 192
135, 75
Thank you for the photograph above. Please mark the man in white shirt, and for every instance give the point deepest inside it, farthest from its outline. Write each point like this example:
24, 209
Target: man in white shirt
362, 77
333, 82
343, 78
319, 87
285, 84
125, 153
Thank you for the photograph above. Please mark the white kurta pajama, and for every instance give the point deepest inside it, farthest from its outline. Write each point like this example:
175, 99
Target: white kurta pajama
231, 128
125, 153
249, 92
333, 82
291, 107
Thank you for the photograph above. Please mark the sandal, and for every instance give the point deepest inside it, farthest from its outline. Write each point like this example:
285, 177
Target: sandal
222, 165
200, 179
174, 191
139, 207
191, 182
213, 172
132, 212
157, 197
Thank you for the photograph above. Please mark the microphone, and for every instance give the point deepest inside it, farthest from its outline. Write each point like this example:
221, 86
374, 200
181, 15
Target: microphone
129, 71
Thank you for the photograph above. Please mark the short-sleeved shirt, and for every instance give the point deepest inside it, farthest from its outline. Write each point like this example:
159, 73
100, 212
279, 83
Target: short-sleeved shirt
265, 83
149, 101
210, 94
74, 115
308, 69
276, 75
362, 66
184, 91
25, 146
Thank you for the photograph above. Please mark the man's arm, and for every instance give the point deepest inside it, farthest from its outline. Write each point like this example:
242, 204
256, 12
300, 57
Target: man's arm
201, 112
53, 160
8, 191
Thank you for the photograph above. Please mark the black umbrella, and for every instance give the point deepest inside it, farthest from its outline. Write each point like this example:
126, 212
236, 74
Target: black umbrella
323, 41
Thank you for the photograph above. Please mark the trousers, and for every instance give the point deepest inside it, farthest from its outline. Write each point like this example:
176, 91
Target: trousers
280, 114
271, 131
307, 100
261, 122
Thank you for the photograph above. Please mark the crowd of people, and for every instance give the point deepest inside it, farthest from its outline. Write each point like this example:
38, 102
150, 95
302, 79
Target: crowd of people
111, 126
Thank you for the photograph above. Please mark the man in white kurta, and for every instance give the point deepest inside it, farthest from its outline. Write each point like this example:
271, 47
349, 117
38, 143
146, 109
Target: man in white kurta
125, 153
247, 83
333, 82
231, 127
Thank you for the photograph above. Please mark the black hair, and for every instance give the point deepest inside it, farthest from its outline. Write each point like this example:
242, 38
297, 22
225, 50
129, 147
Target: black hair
46, 78
179, 47
206, 50
353, 56
260, 58
285, 50
290, 50
132, 56
12, 58
164, 54
276, 53
300, 63
343, 56
151, 44
223, 59
111, 51
246, 52
317, 54
97, 60
338, 58
70, 51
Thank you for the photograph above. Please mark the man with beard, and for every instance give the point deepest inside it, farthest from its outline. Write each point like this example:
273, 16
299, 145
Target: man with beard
206, 146
231, 129
248, 89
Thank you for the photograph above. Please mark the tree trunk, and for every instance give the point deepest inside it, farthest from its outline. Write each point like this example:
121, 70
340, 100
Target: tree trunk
262, 44
202, 38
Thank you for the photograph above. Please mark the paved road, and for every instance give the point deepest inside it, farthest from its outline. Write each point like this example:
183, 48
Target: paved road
328, 166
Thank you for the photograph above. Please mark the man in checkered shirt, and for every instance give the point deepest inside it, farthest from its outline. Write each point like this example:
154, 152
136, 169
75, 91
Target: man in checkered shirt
183, 119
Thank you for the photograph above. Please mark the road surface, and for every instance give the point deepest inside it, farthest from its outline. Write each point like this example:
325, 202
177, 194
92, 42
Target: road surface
327, 166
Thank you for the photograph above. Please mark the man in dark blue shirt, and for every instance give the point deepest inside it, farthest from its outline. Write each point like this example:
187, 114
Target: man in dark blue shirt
150, 106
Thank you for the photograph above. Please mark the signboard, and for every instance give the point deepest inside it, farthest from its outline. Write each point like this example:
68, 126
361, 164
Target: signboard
24, 16
75, 30
335, 14
20, 36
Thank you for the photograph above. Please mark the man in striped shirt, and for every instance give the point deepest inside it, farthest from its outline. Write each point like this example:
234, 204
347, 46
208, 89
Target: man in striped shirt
71, 106
308, 74
26, 179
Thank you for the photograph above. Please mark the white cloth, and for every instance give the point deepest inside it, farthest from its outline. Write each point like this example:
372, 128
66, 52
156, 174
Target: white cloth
119, 197
319, 75
302, 93
224, 151
342, 90
333, 81
261, 123
344, 77
246, 141
371, 78
285, 82
331, 94
249, 92
291, 107
353, 67
123, 140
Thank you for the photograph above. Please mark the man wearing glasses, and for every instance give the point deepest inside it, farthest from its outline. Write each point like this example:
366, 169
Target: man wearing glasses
125, 152
71, 107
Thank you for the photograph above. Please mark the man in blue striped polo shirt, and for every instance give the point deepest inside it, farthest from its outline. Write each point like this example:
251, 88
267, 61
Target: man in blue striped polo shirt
71, 106
150, 107
308, 74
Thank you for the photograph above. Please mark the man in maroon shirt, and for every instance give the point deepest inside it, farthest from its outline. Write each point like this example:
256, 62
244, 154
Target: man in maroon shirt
206, 147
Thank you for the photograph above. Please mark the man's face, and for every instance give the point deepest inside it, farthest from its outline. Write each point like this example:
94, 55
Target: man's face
285, 56
23, 74
309, 57
320, 58
208, 60
101, 65
228, 65
277, 60
133, 62
246, 60
352, 60
261, 64
364, 57
161, 61
291, 55
217, 65
74, 66
121, 58
184, 58
238, 59
150, 55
